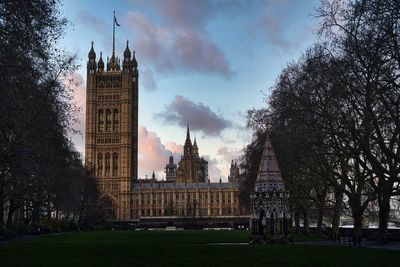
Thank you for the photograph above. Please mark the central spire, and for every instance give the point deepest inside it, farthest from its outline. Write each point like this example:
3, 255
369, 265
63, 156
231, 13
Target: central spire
188, 143
188, 133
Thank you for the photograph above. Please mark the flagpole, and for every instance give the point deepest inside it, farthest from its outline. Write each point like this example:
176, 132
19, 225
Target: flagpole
113, 52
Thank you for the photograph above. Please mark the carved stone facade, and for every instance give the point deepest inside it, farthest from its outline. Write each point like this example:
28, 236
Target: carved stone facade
152, 198
269, 201
187, 191
234, 175
111, 146
192, 168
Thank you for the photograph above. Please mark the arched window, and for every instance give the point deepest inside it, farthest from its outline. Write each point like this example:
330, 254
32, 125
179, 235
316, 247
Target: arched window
108, 120
115, 164
101, 120
116, 120
108, 164
99, 164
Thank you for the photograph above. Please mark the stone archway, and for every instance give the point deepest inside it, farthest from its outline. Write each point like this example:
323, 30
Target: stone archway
109, 204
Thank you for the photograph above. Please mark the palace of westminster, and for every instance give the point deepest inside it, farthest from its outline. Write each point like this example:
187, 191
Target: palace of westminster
111, 150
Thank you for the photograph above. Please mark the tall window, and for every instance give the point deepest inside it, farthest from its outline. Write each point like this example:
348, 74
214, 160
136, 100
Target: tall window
116, 120
101, 120
108, 164
108, 120
115, 164
99, 164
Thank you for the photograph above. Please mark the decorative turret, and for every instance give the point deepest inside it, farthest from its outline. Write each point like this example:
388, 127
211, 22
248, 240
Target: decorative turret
195, 148
100, 65
134, 62
92, 54
234, 174
127, 52
170, 169
92, 61
126, 65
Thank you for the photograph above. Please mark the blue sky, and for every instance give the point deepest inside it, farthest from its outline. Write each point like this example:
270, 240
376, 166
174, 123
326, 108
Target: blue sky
201, 62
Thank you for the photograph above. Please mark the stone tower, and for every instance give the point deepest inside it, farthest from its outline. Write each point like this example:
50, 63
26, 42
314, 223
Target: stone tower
111, 146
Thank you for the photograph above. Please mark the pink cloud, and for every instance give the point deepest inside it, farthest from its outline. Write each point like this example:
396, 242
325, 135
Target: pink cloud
76, 84
153, 155
174, 147
227, 154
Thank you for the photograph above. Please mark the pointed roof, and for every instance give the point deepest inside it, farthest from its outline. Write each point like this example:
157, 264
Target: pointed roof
101, 63
92, 54
188, 133
195, 143
269, 176
127, 52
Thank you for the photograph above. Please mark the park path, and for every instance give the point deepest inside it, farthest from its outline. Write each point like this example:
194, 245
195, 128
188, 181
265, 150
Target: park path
18, 238
25, 238
395, 246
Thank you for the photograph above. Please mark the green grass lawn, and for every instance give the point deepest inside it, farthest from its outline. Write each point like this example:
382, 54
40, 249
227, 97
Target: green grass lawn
180, 248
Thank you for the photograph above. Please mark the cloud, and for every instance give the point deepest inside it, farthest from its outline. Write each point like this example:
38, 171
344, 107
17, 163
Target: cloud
76, 84
153, 155
89, 19
228, 155
179, 43
197, 53
200, 117
274, 23
214, 172
148, 80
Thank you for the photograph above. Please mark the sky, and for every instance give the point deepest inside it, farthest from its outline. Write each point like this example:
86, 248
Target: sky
201, 62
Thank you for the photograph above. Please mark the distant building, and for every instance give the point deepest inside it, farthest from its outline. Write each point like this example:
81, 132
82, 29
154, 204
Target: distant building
187, 191
192, 168
234, 174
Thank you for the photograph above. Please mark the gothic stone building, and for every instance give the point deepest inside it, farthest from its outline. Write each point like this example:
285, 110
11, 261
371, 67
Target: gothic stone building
187, 191
111, 146
111, 150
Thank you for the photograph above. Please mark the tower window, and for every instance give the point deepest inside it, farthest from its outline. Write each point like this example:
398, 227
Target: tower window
116, 120
99, 164
115, 164
101, 120
108, 164
108, 120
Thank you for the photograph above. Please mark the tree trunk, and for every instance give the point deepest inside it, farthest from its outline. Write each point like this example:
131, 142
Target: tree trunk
337, 210
306, 222
1, 206
297, 221
320, 219
11, 211
384, 210
1, 215
357, 220
35, 214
